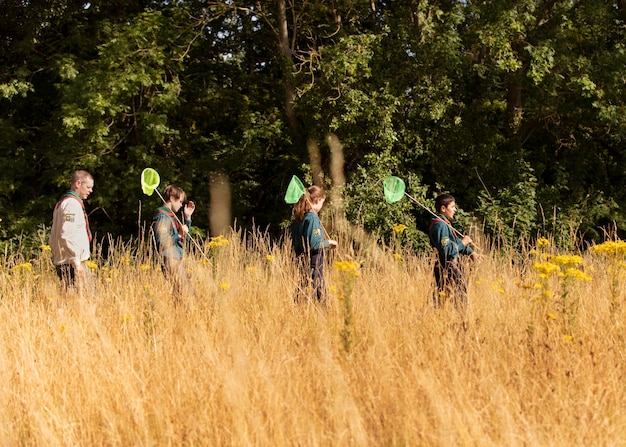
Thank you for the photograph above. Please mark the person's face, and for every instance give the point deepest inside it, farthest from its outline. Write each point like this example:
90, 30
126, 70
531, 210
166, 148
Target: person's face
319, 203
448, 211
84, 187
176, 204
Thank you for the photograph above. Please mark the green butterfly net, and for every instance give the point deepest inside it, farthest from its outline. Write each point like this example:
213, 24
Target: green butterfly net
295, 190
150, 181
393, 188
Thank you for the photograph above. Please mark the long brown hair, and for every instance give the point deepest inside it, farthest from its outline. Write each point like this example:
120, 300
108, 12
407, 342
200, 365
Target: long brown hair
304, 205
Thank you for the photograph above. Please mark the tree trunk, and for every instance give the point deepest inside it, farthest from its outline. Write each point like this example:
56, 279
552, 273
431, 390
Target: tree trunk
285, 49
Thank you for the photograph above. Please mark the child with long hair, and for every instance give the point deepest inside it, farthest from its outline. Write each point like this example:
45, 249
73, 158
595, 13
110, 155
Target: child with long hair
309, 237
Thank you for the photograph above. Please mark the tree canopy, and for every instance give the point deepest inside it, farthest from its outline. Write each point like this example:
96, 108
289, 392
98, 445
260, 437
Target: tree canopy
516, 108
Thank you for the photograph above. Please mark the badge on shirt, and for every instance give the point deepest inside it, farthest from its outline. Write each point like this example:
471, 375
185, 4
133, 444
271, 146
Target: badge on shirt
316, 232
69, 218
444, 241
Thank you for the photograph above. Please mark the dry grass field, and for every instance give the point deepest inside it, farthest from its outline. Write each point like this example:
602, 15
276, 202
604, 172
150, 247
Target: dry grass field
537, 361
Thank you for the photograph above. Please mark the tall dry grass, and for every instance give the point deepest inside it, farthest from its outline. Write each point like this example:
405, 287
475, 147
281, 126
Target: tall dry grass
241, 364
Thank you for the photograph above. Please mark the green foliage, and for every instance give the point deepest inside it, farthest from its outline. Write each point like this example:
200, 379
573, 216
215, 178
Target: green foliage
509, 215
365, 203
528, 94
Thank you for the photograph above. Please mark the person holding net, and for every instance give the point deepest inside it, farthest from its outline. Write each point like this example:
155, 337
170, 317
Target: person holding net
450, 278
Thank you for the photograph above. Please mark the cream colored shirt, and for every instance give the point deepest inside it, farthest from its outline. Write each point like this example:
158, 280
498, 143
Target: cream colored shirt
69, 241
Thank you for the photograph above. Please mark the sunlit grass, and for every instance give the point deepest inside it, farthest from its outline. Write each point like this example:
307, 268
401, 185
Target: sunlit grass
535, 362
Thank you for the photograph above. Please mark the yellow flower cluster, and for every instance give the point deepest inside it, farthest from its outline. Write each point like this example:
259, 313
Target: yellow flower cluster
545, 269
613, 249
92, 265
349, 267
399, 228
567, 260
217, 241
269, 258
577, 274
543, 242
23, 267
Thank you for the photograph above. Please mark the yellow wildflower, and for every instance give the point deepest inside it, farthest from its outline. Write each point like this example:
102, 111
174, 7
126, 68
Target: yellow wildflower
566, 259
217, 241
551, 316
125, 260
224, 286
545, 269
567, 337
145, 267
543, 242
23, 267
45, 247
614, 249
399, 228
397, 256
92, 265
269, 258
577, 274
349, 267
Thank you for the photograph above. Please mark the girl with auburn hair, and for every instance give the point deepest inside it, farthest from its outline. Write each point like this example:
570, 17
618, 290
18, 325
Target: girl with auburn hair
309, 236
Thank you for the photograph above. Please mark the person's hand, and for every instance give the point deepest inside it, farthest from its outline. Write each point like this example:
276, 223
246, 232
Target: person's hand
189, 209
184, 230
79, 270
332, 243
467, 240
475, 256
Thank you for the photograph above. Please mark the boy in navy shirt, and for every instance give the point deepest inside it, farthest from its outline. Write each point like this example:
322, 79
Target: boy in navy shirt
450, 245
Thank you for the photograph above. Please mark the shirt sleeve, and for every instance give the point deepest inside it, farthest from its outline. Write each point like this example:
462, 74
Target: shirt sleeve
314, 233
165, 234
73, 231
446, 242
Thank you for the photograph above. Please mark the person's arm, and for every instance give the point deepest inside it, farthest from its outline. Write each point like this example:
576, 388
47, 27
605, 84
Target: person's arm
187, 213
444, 241
165, 234
73, 234
315, 234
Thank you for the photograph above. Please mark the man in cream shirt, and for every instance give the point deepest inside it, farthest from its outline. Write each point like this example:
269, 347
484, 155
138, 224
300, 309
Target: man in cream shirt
70, 237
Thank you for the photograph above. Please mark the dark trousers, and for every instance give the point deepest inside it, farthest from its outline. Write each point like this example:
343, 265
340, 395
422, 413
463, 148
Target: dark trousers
451, 283
312, 286
85, 285
66, 274
317, 275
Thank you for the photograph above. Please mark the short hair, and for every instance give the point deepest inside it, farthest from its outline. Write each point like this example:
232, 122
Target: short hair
81, 175
174, 192
443, 200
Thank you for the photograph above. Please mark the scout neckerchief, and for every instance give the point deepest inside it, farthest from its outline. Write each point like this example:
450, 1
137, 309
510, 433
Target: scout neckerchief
441, 218
74, 195
175, 223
